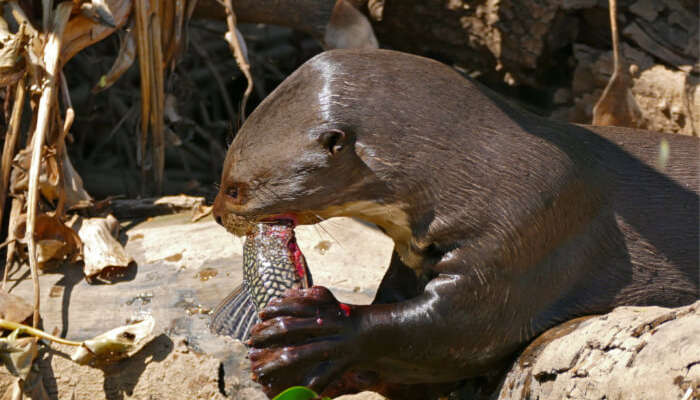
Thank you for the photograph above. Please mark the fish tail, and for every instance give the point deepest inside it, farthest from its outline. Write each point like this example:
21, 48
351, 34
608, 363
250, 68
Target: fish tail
308, 282
235, 315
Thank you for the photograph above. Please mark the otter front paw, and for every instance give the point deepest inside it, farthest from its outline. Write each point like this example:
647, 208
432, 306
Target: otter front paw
305, 338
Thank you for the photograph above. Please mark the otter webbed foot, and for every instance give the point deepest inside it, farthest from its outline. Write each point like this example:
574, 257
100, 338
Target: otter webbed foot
307, 337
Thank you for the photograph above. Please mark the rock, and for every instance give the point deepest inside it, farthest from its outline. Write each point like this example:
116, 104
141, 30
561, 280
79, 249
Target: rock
651, 352
669, 99
362, 396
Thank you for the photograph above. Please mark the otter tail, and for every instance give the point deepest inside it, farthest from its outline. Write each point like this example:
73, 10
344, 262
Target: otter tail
235, 315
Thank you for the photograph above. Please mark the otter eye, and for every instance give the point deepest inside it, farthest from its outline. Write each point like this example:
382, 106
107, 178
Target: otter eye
232, 192
333, 141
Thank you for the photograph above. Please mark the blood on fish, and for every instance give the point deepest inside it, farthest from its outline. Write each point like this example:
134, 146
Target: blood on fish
272, 263
296, 254
345, 308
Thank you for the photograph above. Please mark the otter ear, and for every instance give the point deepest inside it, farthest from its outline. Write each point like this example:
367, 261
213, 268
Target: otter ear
334, 141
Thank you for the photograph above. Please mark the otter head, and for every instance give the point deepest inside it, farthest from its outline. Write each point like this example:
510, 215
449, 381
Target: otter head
349, 134
298, 156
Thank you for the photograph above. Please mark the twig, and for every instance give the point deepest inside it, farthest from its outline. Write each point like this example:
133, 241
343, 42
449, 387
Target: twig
15, 212
176, 43
213, 141
95, 150
60, 146
235, 45
9, 325
10, 148
158, 98
4, 29
21, 18
51, 61
5, 243
150, 54
65, 92
615, 36
217, 77
141, 12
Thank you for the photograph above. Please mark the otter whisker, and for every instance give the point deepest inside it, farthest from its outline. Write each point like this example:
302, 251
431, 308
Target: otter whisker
317, 226
325, 230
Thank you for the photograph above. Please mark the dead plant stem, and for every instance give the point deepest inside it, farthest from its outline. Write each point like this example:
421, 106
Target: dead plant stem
8, 154
46, 103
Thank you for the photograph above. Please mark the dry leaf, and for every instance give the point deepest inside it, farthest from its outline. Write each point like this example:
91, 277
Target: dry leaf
32, 388
81, 31
180, 202
200, 212
76, 195
124, 60
103, 255
116, 344
98, 11
12, 64
13, 308
49, 177
55, 241
48, 174
171, 109
17, 354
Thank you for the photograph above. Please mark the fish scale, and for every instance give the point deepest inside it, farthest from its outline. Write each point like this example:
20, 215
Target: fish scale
268, 271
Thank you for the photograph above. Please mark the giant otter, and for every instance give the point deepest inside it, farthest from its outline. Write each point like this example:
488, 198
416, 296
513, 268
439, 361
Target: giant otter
505, 223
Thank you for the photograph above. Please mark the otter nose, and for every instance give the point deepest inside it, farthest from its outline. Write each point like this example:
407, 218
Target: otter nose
229, 196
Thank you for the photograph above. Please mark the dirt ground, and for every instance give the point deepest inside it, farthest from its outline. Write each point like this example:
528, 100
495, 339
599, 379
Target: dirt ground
182, 270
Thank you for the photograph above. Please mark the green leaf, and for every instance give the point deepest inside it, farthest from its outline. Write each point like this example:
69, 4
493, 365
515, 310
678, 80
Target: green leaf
298, 393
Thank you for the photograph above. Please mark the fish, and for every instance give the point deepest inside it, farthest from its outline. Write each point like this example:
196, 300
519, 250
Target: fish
272, 264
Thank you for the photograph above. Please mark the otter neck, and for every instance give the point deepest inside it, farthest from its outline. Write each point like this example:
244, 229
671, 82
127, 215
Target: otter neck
391, 218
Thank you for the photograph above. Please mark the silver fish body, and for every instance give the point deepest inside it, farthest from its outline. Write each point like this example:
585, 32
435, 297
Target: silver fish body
272, 264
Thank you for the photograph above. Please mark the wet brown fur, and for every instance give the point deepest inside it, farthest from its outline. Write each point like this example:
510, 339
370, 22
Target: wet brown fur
516, 222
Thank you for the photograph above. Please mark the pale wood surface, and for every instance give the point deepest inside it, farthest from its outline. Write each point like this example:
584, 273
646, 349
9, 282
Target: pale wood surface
183, 268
